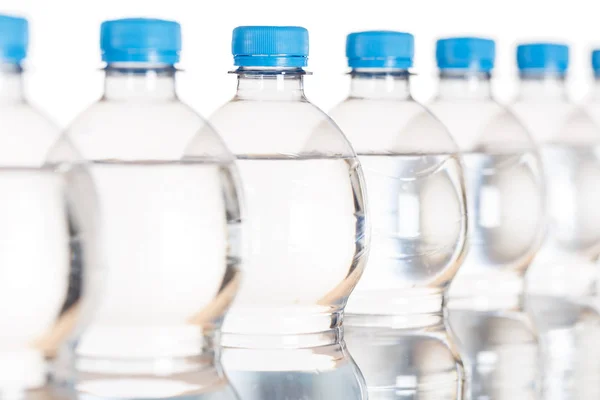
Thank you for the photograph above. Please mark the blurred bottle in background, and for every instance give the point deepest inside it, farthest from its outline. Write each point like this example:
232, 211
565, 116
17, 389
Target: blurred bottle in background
395, 326
561, 282
47, 232
306, 225
592, 101
505, 205
169, 229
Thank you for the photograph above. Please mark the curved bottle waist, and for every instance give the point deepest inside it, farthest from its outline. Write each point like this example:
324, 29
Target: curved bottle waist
417, 211
505, 201
306, 243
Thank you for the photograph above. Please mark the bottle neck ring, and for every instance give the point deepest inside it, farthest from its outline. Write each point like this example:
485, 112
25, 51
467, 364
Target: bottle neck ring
270, 83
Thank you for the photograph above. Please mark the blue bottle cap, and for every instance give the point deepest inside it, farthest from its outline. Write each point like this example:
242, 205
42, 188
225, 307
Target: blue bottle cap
270, 46
140, 40
380, 49
543, 57
596, 61
14, 38
466, 53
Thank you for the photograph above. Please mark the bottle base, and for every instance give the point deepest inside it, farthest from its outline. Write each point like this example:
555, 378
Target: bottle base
78, 377
500, 350
407, 363
569, 330
324, 372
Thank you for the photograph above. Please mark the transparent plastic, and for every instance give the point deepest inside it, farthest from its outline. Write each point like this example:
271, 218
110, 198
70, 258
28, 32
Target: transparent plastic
505, 202
395, 325
562, 280
47, 237
307, 233
170, 233
591, 102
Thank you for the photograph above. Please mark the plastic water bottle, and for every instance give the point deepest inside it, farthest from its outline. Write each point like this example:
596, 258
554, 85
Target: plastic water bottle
46, 232
169, 229
395, 325
592, 101
305, 222
562, 279
505, 203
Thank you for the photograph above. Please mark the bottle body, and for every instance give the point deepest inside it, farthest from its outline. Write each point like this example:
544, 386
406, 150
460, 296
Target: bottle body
505, 202
170, 230
561, 284
304, 213
415, 188
591, 103
47, 246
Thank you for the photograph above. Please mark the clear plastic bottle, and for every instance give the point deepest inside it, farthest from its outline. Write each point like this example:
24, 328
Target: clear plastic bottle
592, 100
305, 222
169, 229
561, 282
505, 203
46, 232
395, 325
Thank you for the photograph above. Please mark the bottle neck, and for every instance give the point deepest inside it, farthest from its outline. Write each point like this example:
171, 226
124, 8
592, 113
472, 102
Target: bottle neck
270, 83
542, 87
11, 83
132, 81
465, 85
380, 84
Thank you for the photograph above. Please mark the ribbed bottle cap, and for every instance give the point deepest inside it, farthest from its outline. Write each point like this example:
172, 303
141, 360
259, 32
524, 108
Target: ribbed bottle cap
140, 40
543, 57
466, 53
270, 46
14, 38
380, 49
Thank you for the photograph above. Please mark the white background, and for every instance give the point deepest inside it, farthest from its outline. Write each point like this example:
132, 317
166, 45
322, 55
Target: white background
64, 64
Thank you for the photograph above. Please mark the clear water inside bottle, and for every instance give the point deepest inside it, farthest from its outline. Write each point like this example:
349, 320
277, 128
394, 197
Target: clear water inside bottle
417, 217
305, 224
46, 224
172, 246
506, 206
571, 175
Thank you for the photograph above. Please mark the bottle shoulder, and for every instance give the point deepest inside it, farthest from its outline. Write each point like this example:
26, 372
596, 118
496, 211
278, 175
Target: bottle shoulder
294, 127
557, 122
392, 126
145, 130
120, 114
483, 126
26, 135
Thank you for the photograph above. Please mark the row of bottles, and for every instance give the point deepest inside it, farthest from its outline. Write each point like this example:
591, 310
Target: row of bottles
562, 279
148, 253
